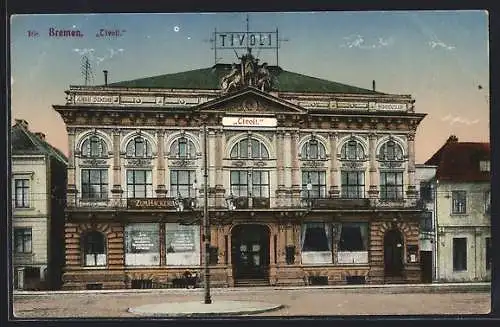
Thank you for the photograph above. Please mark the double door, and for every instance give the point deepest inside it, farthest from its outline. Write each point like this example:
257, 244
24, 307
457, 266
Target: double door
250, 252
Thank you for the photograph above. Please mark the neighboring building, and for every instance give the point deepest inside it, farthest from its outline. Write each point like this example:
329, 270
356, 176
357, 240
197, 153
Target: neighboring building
425, 182
463, 211
321, 174
38, 200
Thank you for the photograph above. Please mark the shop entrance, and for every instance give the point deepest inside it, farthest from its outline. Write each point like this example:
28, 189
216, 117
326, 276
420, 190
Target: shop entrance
250, 251
393, 253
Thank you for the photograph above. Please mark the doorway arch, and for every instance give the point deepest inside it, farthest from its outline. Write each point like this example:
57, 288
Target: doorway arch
393, 253
250, 251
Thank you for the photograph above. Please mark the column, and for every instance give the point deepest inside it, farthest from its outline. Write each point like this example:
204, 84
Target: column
373, 190
281, 192
287, 160
212, 153
334, 170
71, 187
117, 188
160, 177
296, 184
411, 191
219, 176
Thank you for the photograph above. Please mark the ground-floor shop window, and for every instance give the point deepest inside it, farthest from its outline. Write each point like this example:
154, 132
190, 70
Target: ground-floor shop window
142, 246
316, 244
352, 245
182, 244
94, 247
459, 254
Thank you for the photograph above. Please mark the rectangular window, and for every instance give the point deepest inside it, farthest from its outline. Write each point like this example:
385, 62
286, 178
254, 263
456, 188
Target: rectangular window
139, 184
21, 195
488, 253
241, 180
22, 240
352, 243
426, 191
142, 247
94, 184
182, 244
458, 202
459, 254
181, 183
353, 184
484, 165
391, 185
487, 202
239, 183
316, 239
313, 184
260, 184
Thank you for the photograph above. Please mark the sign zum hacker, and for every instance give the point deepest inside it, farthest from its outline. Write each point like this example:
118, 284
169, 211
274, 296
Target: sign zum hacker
249, 121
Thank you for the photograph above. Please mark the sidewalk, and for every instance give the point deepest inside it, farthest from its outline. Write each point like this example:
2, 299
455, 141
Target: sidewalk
385, 288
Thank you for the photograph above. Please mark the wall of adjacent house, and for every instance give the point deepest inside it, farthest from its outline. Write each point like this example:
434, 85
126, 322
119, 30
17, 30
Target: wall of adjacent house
474, 225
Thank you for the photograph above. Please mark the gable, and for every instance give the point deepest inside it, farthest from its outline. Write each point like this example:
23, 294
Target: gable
251, 101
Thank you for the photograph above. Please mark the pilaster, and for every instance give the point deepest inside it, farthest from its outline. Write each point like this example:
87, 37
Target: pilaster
161, 190
334, 170
373, 189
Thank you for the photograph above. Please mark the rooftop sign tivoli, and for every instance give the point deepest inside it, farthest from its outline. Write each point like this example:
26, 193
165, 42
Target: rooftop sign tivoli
244, 40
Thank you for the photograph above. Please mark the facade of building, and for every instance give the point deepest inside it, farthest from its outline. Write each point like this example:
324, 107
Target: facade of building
462, 191
425, 182
38, 201
309, 181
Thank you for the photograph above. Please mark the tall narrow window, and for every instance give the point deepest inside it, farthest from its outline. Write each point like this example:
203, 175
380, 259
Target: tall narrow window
487, 202
94, 247
313, 184
459, 254
353, 184
22, 240
94, 184
459, 202
391, 185
181, 183
139, 184
260, 184
21, 195
488, 253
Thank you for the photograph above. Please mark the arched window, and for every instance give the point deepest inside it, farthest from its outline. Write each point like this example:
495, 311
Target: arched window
249, 148
94, 249
139, 147
182, 148
94, 147
313, 149
390, 151
352, 150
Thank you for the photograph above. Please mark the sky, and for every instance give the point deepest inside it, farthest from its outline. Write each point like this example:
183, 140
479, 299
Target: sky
438, 57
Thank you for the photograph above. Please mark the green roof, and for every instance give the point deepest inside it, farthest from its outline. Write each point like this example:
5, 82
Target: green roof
25, 142
209, 79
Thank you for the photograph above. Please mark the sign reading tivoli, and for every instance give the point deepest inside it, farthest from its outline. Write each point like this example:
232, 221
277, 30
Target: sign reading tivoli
243, 40
249, 121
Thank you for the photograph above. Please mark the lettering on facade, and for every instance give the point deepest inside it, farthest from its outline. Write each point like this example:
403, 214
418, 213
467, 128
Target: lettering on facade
150, 203
96, 99
243, 40
249, 121
352, 105
390, 106
314, 104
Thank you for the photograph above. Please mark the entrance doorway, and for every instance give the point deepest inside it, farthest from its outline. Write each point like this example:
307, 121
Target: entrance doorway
250, 251
393, 253
426, 266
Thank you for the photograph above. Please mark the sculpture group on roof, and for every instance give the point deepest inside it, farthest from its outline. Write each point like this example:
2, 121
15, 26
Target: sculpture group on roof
249, 73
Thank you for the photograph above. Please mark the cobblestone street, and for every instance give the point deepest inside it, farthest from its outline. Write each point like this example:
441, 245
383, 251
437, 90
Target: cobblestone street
296, 301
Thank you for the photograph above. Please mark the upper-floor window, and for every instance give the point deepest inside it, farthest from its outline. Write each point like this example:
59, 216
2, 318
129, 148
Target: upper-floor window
390, 151
181, 183
94, 146
458, 202
94, 184
249, 148
352, 150
21, 195
22, 240
484, 165
313, 149
426, 191
352, 184
313, 184
139, 183
391, 185
139, 147
182, 148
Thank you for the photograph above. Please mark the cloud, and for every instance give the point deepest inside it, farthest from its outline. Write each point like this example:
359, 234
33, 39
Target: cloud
98, 57
440, 44
358, 41
459, 120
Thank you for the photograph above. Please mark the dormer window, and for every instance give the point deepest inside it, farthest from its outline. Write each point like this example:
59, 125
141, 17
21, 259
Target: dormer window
183, 148
312, 150
139, 147
93, 147
484, 165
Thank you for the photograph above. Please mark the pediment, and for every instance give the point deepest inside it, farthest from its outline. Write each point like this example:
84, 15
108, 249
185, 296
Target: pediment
250, 101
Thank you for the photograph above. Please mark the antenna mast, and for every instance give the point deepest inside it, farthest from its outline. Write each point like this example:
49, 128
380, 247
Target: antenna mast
87, 73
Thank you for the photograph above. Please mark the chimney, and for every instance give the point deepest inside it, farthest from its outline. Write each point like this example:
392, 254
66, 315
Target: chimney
452, 139
373, 85
22, 123
40, 135
105, 77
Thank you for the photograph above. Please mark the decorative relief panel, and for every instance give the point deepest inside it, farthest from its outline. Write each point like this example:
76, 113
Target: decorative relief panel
391, 164
352, 164
313, 163
93, 162
238, 163
182, 163
139, 162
